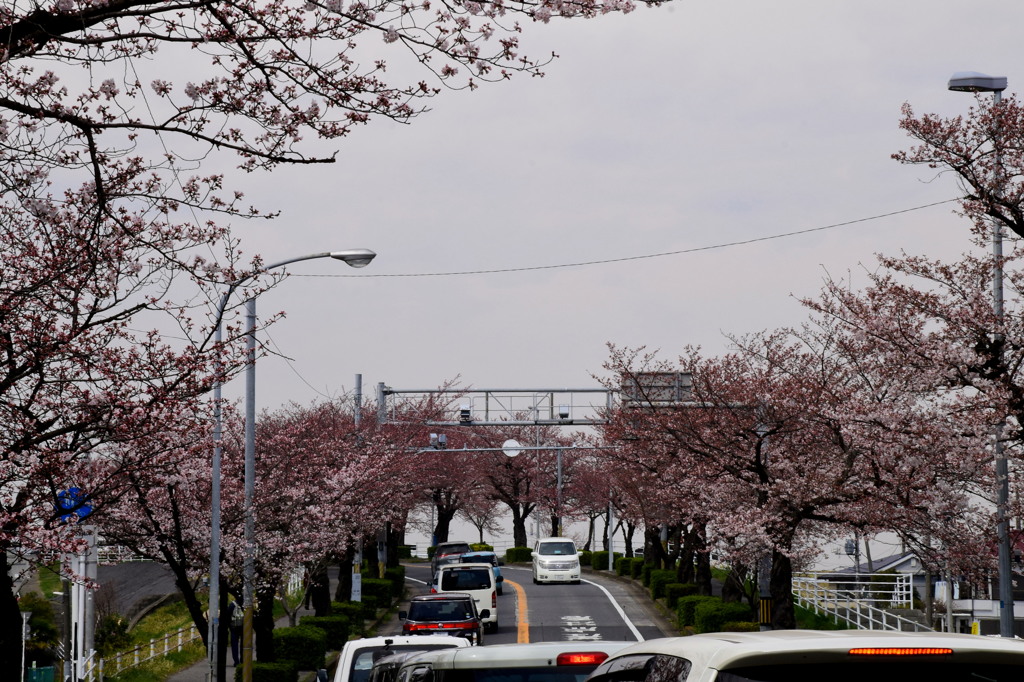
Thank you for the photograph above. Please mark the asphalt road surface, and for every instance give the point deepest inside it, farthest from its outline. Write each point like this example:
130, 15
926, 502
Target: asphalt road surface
599, 608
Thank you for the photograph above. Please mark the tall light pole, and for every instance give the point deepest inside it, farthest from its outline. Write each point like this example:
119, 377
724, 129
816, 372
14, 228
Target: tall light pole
972, 81
356, 258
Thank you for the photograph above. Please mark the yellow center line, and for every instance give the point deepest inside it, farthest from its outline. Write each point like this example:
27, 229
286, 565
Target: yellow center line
522, 616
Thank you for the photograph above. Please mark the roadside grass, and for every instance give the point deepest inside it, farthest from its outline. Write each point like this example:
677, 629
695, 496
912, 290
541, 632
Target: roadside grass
809, 620
166, 619
49, 579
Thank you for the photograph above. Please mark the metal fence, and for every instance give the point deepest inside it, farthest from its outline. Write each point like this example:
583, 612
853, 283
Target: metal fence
865, 601
96, 669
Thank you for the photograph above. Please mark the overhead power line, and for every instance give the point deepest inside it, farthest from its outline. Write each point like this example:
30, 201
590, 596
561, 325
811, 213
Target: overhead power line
624, 259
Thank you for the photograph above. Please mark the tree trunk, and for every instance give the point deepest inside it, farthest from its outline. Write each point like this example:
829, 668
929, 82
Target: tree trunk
223, 635
344, 591
445, 513
518, 527
687, 554
654, 553
263, 625
10, 618
320, 591
701, 558
590, 533
732, 588
781, 589
627, 535
394, 539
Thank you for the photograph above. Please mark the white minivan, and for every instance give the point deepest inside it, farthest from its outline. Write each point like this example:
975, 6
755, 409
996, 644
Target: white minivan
477, 580
556, 560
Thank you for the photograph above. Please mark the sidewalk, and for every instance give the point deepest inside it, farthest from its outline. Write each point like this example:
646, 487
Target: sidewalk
198, 671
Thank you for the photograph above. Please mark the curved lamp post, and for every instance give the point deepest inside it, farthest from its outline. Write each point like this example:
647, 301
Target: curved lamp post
972, 81
356, 258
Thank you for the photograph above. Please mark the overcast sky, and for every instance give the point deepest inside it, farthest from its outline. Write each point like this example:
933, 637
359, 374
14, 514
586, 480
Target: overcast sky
671, 129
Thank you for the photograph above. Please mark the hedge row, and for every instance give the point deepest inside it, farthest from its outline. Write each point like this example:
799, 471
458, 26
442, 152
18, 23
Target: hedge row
711, 614
599, 560
518, 555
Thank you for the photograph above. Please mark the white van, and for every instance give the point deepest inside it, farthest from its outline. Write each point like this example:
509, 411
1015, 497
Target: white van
556, 560
477, 580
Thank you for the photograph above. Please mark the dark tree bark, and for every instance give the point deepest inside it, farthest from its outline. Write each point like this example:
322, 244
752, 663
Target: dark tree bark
320, 591
781, 588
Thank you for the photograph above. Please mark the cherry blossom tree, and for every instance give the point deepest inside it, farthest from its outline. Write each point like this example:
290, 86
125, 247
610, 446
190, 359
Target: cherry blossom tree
983, 150
113, 183
788, 441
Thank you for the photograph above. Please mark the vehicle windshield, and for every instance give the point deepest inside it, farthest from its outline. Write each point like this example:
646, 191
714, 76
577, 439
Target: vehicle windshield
440, 610
458, 580
454, 548
556, 548
363, 660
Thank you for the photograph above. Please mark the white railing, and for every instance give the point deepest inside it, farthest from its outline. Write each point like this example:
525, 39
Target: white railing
863, 601
96, 669
117, 554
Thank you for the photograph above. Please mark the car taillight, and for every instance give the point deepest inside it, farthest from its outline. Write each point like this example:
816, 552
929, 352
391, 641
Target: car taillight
433, 590
900, 651
412, 627
494, 599
581, 658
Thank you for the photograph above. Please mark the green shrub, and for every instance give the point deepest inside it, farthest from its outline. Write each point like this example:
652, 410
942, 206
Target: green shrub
281, 671
807, 619
622, 565
741, 626
43, 628
645, 574
379, 589
405, 551
599, 560
636, 567
711, 616
687, 607
304, 645
335, 627
352, 610
481, 547
112, 635
518, 555
369, 605
675, 591
586, 557
658, 580
396, 575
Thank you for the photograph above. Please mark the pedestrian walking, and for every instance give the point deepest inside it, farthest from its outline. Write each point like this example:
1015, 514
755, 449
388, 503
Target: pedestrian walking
237, 620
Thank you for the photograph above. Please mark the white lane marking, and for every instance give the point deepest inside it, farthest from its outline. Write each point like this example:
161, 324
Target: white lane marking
580, 629
629, 623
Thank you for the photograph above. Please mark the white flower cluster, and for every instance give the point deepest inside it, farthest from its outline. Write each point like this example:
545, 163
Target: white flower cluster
109, 88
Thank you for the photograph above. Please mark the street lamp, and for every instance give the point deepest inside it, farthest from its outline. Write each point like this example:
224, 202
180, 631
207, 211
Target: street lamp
356, 258
972, 81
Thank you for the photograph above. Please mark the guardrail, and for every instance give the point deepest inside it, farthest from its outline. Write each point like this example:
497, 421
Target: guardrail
117, 554
864, 602
96, 669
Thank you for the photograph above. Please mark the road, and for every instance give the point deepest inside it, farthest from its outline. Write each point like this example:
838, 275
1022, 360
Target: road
599, 608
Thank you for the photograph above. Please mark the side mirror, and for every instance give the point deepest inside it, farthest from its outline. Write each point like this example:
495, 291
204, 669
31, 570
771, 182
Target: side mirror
501, 578
321, 675
402, 615
486, 613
